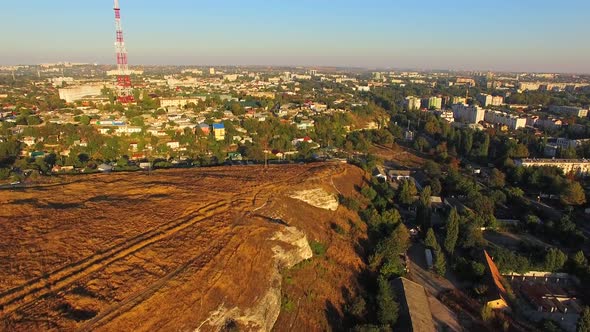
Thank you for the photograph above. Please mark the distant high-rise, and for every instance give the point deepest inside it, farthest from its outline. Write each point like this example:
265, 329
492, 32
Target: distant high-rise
124, 88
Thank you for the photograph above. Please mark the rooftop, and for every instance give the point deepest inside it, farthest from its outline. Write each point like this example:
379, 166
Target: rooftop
415, 311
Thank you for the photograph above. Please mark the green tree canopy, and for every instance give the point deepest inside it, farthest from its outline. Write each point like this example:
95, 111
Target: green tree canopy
452, 231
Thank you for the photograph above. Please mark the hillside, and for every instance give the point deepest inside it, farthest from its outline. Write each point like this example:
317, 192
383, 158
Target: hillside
180, 250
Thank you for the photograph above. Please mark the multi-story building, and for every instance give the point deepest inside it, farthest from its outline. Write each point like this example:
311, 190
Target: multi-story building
446, 115
549, 86
413, 103
489, 100
230, 77
180, 102
569, 111
576, 166
59, 81
127, 130
511, 121
465, 81
72, 94
219, 131
117, 72
468, 114
433, 103
565, 143
458, 100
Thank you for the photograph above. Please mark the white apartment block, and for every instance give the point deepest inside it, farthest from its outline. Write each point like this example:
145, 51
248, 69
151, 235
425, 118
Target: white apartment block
117, 72
127, 130
468, 114
576, 166
513, 122
489, 100
59, 81
72, 94
569, 110
180, 102
413, 103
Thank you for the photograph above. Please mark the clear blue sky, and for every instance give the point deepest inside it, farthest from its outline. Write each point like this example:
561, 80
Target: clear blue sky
513, 35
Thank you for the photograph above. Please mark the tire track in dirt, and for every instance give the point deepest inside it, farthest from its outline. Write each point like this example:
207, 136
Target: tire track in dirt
56, 280
201, 260
135, 299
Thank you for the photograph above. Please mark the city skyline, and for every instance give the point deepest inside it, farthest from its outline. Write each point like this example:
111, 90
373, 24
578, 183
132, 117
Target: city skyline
505, 36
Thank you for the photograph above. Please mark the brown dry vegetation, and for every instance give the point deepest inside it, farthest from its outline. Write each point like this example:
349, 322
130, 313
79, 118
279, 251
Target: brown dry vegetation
175, 250
397, 156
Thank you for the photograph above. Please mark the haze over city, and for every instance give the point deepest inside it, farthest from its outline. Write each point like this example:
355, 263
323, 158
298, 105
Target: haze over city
505, 35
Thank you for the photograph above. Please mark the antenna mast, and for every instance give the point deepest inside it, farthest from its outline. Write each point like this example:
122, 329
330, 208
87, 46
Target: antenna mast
124, 88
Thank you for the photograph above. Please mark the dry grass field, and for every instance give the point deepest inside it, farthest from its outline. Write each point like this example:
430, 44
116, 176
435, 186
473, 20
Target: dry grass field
179, 250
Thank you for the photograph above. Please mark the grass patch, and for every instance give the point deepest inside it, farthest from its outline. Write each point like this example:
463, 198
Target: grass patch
338, 229
317, 248
287, 304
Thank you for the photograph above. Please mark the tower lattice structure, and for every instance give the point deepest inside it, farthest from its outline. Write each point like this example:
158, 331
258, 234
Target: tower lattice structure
124, 87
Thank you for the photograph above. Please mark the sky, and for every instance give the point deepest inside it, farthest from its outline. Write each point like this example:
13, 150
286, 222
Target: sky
500, 35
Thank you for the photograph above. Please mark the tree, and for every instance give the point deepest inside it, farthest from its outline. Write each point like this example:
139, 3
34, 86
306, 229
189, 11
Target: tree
406, 192
579, 260
388, 307
421, 144
369, 192
554, 260
425, 196
452, 231
85, 120
497, 179
4, 173
123, 162
467, 142
584, 320
484, 147
573, 194
430, 240
432, 169
424, 212
440, 263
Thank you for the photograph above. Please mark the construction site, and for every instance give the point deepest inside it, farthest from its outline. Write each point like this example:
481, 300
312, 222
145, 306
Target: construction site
180, 250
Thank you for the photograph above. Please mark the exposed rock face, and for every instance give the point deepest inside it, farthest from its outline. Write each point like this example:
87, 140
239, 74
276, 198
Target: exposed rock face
291, 248
318, 198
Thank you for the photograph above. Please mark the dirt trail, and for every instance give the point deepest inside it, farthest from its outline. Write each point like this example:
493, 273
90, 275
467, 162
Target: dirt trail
156, 252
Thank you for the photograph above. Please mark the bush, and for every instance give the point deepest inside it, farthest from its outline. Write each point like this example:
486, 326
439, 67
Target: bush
4, 173
338, 229
317, 248
287, 304
350, 203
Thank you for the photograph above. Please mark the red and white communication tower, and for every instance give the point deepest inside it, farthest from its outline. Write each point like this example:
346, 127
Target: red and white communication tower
124, 88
